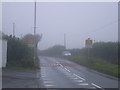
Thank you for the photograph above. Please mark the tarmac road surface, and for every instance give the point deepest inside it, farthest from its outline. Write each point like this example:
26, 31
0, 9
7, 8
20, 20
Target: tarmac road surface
61, 73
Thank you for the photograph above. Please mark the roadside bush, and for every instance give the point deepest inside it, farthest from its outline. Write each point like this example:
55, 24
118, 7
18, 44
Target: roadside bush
18, 53
107, 51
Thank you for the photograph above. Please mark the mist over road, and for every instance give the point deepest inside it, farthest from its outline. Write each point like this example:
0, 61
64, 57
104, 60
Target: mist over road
61, 73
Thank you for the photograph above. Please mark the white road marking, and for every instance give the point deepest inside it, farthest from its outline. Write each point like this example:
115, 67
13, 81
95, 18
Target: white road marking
48, 85
56, 64
96, 85
47, 82
67, 70
75, 78
78, 76
43, 76
61, 65
83, 84
78, 81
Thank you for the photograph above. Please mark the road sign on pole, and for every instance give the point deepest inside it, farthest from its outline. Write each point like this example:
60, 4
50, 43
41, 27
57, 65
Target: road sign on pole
30, 41
88, 43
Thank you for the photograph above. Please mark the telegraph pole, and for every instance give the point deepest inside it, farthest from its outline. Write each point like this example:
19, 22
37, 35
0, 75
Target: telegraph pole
65, 41
13, 29
34, 31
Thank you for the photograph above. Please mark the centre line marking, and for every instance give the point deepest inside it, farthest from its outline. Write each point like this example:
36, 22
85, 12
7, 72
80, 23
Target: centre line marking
78, 81
47, 82
96, 85
48, 85
78, 76
83, 84
61, 65
43, 76
67, 70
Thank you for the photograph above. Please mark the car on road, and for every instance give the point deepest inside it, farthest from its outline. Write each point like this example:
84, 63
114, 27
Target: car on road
66, 53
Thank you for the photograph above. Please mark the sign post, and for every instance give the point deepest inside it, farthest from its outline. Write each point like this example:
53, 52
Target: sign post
30, 42
88, 45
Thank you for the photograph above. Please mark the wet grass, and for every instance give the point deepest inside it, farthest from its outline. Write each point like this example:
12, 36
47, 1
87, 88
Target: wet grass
97, 64
23, 66
20, 68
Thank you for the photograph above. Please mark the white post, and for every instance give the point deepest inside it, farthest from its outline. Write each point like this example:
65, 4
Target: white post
4, 53
0, 53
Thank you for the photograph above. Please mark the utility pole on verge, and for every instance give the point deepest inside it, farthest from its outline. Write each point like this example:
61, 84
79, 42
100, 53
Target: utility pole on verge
13, 29
34, 31
65, 41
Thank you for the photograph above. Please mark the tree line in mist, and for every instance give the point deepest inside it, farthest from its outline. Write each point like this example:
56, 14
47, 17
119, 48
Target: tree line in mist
107, 51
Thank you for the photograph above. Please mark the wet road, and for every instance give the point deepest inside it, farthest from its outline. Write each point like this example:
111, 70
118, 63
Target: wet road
61, 73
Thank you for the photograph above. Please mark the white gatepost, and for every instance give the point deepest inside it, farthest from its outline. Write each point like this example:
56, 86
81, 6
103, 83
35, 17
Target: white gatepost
4, 52
0, 64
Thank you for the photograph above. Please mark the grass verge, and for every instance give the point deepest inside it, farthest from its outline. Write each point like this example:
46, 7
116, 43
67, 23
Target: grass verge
20, 68
97, 64
23, 65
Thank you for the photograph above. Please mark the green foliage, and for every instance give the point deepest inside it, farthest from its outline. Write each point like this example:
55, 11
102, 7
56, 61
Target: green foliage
33, 38
53, 51
103, 57
97, 64
18, 53
107, 51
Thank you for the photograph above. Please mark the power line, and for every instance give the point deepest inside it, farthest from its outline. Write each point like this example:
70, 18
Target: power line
101, 28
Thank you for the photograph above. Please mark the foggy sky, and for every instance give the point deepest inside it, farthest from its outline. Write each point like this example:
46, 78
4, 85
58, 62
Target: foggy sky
77, 20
